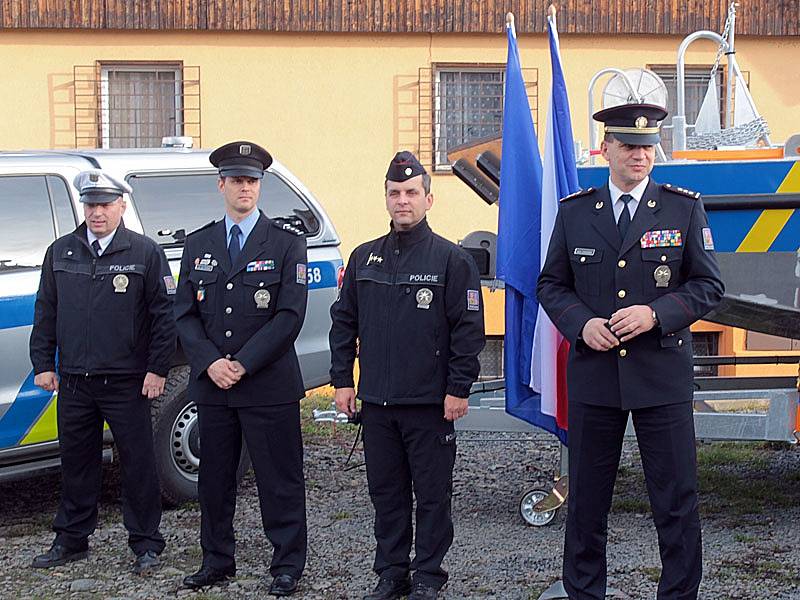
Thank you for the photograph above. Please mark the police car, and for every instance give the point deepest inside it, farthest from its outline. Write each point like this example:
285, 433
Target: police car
174, 193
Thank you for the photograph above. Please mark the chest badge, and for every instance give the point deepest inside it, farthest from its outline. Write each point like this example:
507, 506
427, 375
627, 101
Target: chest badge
120, 283
262, 298
424, 298
662, 275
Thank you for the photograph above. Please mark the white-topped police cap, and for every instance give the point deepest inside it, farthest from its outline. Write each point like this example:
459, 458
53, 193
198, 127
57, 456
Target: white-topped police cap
98, 187
241, 159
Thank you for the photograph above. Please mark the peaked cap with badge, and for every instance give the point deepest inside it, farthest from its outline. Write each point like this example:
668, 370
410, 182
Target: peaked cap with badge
635, 124
404, 166
241, 159
98, 187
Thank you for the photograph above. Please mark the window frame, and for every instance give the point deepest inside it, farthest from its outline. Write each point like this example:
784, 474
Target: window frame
156, 67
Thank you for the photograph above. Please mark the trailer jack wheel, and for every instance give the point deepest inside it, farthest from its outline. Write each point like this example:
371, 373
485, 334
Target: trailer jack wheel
526, 504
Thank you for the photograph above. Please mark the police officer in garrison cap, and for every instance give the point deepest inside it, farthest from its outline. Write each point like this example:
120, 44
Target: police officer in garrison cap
104, 306
240, 305
411, 303
630, 267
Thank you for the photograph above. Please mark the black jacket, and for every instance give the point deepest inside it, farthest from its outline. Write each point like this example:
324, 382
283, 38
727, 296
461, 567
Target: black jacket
106, 315
411, 300
589, 272
218, 313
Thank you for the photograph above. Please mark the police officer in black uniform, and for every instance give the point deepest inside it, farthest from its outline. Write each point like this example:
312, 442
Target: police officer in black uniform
630, 267
104, 306
240, 306
410, 302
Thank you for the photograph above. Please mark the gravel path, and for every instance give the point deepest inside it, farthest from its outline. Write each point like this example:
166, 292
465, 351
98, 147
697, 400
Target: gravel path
751, 518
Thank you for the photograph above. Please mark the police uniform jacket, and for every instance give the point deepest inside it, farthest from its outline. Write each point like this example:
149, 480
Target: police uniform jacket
106, 315
590, 272
251, 311
412, 301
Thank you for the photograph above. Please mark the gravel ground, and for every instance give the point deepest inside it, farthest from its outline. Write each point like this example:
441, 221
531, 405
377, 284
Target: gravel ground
750, 502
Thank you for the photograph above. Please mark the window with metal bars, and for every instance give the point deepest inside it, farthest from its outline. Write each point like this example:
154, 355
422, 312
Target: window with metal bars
136, 104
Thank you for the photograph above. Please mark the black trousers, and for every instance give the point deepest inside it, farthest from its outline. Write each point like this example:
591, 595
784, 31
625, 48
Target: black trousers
83, 404
410, 448
665, 435
272, 435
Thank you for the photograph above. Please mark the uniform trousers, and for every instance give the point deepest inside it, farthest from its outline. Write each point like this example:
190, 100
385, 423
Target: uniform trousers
274, 442
410, 449
665, 435
84, 402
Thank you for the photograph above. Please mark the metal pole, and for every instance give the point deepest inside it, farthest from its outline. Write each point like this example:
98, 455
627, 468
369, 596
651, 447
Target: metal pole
679, 125
731, 58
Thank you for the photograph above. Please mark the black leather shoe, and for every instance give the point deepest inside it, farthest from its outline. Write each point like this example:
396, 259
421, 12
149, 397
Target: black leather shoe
420, 591
283, 585
390, 589
58, 555
208, 576
146, 563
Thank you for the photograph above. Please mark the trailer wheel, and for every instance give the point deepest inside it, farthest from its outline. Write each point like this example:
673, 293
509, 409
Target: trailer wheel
526, 504
176, 436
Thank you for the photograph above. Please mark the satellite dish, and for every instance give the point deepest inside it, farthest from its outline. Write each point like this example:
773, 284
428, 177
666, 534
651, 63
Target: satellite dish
648, 88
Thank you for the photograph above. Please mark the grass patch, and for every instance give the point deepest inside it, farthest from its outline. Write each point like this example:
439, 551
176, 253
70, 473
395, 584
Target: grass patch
652, 573
630, 505
735, 480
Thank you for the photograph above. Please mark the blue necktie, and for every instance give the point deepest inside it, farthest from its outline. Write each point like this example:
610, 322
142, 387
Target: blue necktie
234, 249
624, 217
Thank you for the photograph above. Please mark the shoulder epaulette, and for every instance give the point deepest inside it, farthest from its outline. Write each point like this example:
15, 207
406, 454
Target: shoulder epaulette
285, 225
578, 194
206, 226
682, 191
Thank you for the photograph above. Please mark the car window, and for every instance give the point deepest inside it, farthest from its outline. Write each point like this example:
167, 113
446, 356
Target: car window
62, 204
26, 221
171, 206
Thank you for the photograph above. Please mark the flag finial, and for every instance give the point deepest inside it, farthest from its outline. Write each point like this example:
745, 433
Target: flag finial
510, 19
551, 10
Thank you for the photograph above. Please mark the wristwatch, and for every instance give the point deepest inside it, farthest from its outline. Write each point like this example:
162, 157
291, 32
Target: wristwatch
655, 317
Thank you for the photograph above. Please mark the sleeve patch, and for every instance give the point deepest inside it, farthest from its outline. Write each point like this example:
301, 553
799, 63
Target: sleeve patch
473, 300
302, 274
708, 240
169, 283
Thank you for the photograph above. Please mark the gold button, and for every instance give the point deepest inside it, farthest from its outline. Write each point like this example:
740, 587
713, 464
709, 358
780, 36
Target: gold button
228, 333
228, 310
621, 264
583, 259
663, 258
621, 293
229, 286
623, 353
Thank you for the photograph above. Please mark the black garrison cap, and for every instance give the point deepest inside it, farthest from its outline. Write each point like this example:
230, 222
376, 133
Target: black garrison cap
635, 124
404, 166
241, 159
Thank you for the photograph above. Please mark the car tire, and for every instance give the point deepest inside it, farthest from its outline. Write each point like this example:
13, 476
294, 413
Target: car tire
177, 441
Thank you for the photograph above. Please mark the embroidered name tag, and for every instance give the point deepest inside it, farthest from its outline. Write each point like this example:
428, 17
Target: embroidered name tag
260, 265
584, 252
661, 238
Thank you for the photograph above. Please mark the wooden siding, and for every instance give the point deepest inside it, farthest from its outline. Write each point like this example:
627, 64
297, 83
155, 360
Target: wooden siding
755, 17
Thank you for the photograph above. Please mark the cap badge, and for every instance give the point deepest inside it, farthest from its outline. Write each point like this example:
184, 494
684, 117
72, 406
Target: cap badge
245, 149
408, 171
640, 122
94, 177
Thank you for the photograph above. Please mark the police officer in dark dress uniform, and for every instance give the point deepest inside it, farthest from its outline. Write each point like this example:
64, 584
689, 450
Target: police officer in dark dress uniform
240, 305
104, 306
411, 303
630, 267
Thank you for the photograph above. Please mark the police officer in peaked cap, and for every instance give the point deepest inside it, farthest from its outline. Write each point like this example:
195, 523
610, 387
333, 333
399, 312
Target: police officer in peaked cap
104, 307
411, 304
240, 305
630, 267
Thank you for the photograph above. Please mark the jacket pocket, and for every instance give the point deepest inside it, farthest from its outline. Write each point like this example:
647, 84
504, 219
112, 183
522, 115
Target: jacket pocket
260, 293
586, 270
205, 287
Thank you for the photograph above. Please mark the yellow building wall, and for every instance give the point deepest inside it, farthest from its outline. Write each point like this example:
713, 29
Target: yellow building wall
332, 106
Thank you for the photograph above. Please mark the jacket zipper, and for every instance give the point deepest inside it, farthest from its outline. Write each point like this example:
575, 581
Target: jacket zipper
392, 302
